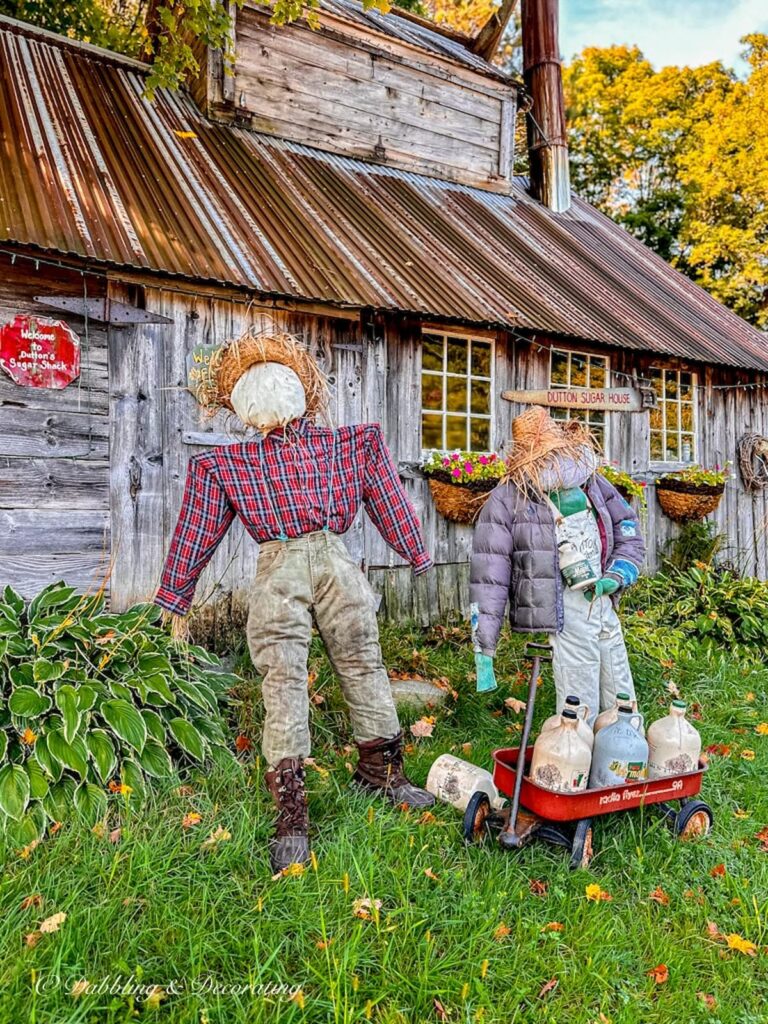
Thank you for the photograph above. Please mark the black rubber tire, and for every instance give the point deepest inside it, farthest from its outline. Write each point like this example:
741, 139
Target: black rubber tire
474, 828
694, 819
581, 849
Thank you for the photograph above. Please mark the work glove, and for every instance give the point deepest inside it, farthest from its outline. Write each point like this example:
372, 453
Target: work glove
602, 588
486, 679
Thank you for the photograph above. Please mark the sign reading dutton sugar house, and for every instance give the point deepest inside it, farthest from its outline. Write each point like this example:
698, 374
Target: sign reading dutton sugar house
600, 399
37, 352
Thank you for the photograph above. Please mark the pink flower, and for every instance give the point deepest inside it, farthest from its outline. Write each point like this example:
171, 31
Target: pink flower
456, 471
483, 460
455, 456
468, 467
446, 461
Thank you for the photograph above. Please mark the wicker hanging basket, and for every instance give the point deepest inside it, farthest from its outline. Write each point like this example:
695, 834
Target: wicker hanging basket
686, 502
461, 503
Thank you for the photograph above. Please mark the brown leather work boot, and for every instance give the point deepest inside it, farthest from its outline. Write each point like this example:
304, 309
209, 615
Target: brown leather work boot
380, 769
290, 843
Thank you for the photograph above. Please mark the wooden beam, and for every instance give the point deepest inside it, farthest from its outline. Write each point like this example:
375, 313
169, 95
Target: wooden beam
486, 42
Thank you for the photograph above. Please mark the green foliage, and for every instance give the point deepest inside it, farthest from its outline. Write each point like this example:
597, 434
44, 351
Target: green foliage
93, 702
622, 480
697, 475
696, 542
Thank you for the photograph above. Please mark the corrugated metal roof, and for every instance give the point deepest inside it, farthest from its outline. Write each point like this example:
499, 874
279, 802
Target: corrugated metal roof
91, 168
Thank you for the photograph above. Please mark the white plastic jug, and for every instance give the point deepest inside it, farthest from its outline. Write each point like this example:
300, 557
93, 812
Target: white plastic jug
454, 781
582, 713
674, 744
577, 572
620, 753
561, 758
611, 715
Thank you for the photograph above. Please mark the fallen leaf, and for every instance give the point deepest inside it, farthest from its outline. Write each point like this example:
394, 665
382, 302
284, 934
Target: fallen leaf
549, 986
80, 988
366, 908
190, 819
466, 748
423, 728
185, 791
748, 755
114, 835
739, 813
749, 697
515, 705
431, 874
713, 931
659, 974
709, 1001
659, 896
762, 729
55, 827
440, 1010
553, 926
242, 743
28, 737
154, 997
502, 931
294, 870
719, 750
31, 901
537, 887
218, 835
26, 851
53, 923
671, 686
31, 939
325, 943
595, 893
739, 943
762, 838
181, 134
718, 871
317, 699
99, 829
298, 998
427, 818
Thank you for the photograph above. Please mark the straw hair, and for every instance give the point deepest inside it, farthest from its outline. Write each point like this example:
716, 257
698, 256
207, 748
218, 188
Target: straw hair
233, 359
538, 442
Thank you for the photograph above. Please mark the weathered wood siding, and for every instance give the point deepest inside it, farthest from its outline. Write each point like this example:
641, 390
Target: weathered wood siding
54, 468
343, 92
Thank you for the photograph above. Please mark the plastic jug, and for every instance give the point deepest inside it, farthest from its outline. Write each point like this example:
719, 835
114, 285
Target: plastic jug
582, 713
674, 744
454, 781
561, 758
610, 715
620, 753
577, 572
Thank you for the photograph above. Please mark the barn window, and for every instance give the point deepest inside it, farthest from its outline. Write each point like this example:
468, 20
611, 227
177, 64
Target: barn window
580, 370
673, 422
456, 392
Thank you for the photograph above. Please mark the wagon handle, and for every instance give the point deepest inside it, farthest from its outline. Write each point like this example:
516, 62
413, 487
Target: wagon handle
508, 837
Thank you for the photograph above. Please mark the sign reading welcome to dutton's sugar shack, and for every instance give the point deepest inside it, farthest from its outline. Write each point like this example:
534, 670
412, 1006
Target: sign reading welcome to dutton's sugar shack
600, 399
37, 352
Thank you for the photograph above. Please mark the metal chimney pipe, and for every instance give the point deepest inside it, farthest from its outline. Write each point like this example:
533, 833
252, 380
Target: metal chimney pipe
542, 73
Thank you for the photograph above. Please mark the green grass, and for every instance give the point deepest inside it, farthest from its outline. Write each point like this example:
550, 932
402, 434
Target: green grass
159, 909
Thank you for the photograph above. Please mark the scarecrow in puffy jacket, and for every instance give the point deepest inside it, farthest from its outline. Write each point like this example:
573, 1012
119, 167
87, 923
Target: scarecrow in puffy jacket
297, 488
553, 501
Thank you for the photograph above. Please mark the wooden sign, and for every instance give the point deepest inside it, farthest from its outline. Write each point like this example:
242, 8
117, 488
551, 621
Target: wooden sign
199, 379
599, 399
37, 352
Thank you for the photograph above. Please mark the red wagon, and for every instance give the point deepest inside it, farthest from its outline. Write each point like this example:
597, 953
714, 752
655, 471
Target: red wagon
566, 818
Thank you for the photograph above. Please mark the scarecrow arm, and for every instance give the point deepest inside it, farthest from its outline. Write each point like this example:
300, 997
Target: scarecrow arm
490, 570
205, 517
388, 506
628, 544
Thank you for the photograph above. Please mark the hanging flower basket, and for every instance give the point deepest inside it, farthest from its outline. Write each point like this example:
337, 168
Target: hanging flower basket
460, 483
691, 494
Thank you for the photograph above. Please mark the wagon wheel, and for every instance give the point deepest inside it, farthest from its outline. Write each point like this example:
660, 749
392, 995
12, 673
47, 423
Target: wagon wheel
475, 826
581, 850
694, 819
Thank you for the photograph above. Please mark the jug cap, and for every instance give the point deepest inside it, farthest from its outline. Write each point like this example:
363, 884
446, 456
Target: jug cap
622, 697
569, 715
573, 701
679, 704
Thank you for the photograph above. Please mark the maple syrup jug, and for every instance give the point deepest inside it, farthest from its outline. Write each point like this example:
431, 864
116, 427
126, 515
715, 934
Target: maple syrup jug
620, 753
673, 744
561, 757
582, 713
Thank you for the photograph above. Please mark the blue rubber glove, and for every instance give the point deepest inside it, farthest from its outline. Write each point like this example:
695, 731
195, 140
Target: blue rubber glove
486, 679
602, 588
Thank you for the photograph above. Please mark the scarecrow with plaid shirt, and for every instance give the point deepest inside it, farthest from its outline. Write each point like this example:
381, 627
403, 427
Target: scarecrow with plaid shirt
297, 489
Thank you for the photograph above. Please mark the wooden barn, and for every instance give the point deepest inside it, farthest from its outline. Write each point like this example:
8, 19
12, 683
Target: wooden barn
354, 184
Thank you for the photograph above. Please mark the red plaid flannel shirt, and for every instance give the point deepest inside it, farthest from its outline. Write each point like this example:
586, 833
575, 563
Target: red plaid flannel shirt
228, 482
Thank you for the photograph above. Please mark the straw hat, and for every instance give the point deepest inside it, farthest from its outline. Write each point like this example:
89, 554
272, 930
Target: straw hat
233, 359
536, 439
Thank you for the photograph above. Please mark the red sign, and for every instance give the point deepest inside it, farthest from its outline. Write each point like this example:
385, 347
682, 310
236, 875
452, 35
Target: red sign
39, 353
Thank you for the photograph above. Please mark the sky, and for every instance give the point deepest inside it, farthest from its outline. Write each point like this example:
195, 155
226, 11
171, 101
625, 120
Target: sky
667, 31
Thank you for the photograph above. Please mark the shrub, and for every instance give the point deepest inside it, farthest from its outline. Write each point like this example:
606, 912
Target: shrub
94, 704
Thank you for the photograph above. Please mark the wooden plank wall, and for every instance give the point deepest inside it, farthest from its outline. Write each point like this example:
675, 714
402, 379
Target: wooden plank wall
342, 96
54, 469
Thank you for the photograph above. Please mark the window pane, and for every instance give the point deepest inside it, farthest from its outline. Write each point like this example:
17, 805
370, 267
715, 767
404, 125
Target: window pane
481, 359
455, 431
687, 450
456, 400
579, 414
597, 373
480, 440
599, 433
686, 417
559, 373
670, 384
432, 353
671, 416
655, 419
672, 453
657, 447
432, 391
457, 355
686, 387
597, 419
431, 431
578, 371
559, 414
481, 396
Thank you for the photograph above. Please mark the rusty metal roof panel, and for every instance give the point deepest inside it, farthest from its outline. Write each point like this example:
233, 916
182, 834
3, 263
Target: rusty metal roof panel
92, 169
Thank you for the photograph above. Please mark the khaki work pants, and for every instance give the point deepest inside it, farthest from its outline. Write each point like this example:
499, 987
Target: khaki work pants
296, 579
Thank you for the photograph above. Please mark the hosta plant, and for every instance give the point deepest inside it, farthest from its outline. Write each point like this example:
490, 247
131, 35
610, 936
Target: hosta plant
94, 704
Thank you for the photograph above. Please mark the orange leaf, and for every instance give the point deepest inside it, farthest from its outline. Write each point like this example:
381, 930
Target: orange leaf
190, 819
242, 743
537, 887
440, 1010
324, 943
659, 974
762, 838
424, 727
502, 931
515, 705
427, 818
31, 939
553, 926
718, 871
719, 750
709, 1001
659, 896
550, 986
713, 931
431, 874
31, 901
595, 893
740, 944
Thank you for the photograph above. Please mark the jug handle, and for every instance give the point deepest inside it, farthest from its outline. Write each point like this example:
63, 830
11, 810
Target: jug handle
641, 721
585, 709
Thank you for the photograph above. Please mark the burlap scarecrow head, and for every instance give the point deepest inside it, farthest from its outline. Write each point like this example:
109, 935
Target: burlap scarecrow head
269, 379
548, 454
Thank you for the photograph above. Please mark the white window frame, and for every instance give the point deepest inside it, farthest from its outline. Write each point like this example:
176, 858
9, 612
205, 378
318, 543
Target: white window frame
588, 356
446, 376
662, 464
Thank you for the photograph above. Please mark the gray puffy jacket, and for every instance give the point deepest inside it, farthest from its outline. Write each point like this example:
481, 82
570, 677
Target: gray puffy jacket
515, 558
